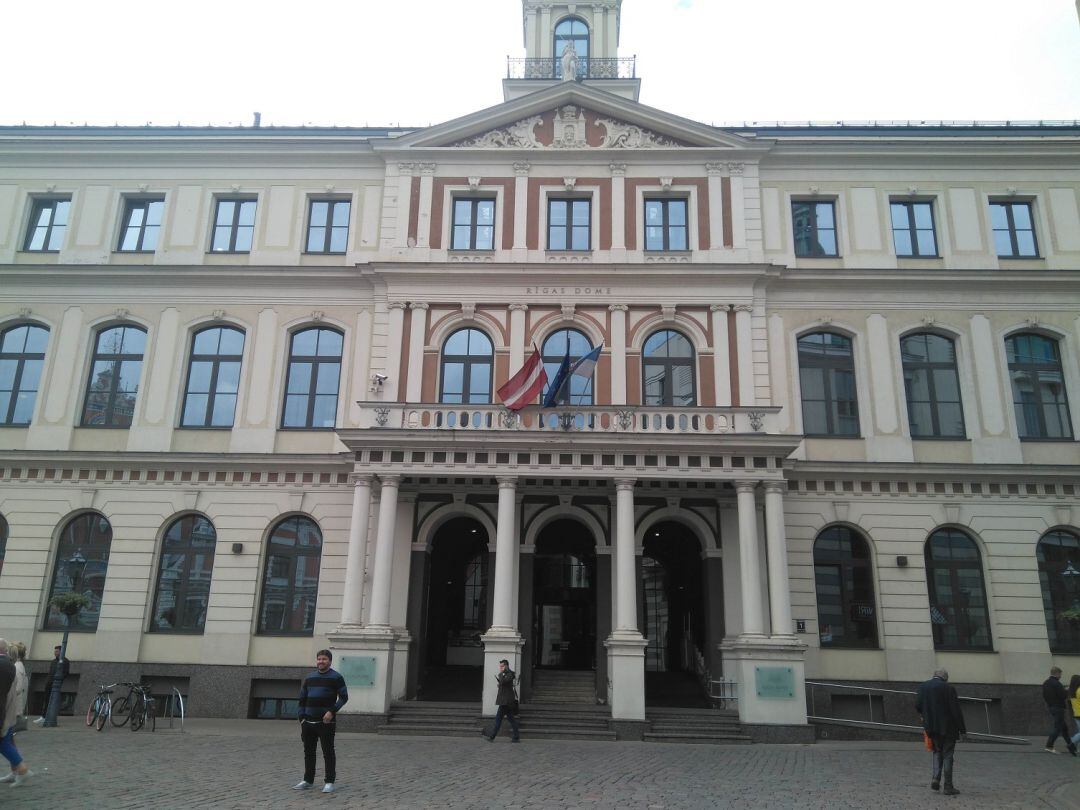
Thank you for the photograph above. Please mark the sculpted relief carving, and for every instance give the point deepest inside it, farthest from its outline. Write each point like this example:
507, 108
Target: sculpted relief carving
519, 135
569, 131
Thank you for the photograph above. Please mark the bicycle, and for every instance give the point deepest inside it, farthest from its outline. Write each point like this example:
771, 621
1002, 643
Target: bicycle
143, 709
121, 708
97, 714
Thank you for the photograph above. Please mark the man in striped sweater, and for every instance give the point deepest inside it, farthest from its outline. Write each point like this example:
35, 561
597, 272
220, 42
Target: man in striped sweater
321, 698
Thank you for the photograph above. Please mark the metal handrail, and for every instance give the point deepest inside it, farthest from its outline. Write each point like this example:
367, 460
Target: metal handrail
589, 67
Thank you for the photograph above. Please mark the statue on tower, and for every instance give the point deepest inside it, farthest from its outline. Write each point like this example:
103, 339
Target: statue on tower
569, 60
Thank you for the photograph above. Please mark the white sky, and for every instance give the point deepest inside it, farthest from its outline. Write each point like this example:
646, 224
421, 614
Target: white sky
419, 62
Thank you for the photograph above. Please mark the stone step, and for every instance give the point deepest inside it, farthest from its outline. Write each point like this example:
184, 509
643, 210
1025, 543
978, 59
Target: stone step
698, 739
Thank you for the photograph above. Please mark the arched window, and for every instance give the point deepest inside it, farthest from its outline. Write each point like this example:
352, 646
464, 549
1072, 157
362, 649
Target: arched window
667, 369
574, 32
847, 614
183, 583
578, 390
3, 541
1058, 554
22, 354
213, 377
1038, 387
114, 377
291, 584
467, 359
932, 386
827, 380
959, 614
311, 389
82, 561
474, 596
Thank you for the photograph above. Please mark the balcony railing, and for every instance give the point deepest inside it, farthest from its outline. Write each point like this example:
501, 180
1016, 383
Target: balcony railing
588, 68
624, 419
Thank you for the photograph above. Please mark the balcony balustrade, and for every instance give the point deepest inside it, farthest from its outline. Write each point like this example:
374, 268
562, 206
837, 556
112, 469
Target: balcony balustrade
588, 68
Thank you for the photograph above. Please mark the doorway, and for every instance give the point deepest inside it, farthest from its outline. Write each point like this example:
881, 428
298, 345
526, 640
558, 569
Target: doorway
564, 597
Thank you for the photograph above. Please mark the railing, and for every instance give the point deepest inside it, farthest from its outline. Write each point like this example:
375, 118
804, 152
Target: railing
588, 68
175, 709
627, 419
871, 723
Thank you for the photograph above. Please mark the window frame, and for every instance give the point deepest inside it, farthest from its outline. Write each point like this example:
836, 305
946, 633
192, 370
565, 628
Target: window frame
184, 589
312, 394
8, 419
825, 363
549, 359
912, 230
1008, 205
669, 369
474, 203
1031, 371
467, 361
568, 228
234, 226
929, 367
556, 52
38, 205
952, 566
814, 229
329, 227
292, 554
665, 227
847, 565
211, 393
130, 206
1051, 597
116, 360
60, 558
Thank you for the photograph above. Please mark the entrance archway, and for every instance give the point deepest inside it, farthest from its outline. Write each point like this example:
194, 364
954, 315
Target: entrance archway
457, 611
673, 617
564, 597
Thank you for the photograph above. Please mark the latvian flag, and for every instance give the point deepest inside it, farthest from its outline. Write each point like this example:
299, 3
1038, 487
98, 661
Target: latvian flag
522, 388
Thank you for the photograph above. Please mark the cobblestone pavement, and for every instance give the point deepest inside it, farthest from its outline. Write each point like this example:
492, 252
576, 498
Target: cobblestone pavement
249, 764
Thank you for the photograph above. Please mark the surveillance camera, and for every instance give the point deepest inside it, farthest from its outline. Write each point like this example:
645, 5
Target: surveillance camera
379, 378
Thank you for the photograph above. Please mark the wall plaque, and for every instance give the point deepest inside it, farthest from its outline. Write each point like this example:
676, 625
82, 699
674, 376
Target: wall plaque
358, 671
775, 683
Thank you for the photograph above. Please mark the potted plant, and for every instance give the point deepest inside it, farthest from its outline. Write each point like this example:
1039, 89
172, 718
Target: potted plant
1071, 615
70, 603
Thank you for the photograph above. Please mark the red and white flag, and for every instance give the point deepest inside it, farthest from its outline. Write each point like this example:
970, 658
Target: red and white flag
523, 387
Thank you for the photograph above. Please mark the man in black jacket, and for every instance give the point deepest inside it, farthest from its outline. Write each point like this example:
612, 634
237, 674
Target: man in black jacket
322, 695
1054, 696
58, 666
507, 701
943, 721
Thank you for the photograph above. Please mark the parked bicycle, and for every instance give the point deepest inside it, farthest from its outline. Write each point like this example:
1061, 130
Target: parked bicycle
98, 712
143, 709
121, 707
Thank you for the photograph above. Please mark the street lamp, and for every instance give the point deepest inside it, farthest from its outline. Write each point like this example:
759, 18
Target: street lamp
75, 567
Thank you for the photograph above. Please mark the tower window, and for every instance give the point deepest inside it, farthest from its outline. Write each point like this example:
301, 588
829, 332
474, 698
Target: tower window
573, 32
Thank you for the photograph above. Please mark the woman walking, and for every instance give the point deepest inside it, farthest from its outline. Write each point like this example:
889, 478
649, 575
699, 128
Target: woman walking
14, 655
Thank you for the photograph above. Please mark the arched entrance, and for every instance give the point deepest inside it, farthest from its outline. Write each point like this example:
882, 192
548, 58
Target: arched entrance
673, 617
457, 611
564, 597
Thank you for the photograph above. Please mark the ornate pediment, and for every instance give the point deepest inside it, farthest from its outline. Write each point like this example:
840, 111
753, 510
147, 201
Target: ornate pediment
570, 127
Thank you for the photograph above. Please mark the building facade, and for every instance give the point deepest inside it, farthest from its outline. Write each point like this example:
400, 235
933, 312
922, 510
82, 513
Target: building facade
249, 375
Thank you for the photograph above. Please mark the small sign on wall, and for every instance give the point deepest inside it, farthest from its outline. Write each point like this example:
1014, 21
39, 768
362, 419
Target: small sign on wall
774, 683
358, 671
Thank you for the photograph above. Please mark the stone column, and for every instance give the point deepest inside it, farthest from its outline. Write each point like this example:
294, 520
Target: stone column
721, 355
502, 639
427, 184
715, 172
379, 614
618, 209
626, 646
744, 352
618, 353
521, 203
394, 339
354, 566
750, 584
417, 333
517, 336
776, 547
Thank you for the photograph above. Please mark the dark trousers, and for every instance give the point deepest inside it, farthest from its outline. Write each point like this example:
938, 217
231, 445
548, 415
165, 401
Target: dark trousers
323, 734
505, 711
1059, 729
944, 748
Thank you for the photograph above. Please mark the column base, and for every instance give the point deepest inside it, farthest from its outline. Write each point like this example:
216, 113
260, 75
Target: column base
771, 676
365, 657
626, 675
498, 644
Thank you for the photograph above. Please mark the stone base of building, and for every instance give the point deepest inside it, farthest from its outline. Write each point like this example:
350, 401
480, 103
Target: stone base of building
629, 730
779, 734
771, 677
360, 723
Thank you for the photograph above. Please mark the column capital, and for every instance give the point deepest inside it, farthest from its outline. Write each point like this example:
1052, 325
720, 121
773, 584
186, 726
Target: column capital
406, 167
518, 307
745, 486
719, 307
396, 305
735, 168
743, 307
361, 479
625, 484
617, 308
418, 305
777, 487
714, 169
521, 168
617, 169
426, 168
507, 481
389, 480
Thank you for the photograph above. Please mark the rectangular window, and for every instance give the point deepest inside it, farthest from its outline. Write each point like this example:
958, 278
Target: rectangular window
569, 222
328, 226
234, 226
141, 225
48, 222
814, 226
913, 228
1013, 229
474, 225
665, 225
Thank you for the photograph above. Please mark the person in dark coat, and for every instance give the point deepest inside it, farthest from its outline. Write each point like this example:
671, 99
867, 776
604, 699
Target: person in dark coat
507, 702
58, 665
943, 722
1055, 696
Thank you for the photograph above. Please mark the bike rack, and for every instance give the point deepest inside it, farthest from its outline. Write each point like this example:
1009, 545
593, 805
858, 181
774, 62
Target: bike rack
177, 700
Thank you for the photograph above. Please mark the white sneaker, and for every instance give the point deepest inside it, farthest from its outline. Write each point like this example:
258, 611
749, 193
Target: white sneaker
328, 787
301, 785
21, 779
9, 777
40, 721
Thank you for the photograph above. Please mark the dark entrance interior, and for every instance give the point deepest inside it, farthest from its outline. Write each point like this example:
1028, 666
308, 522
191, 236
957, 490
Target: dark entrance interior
564, 597
457, 612
673, 616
